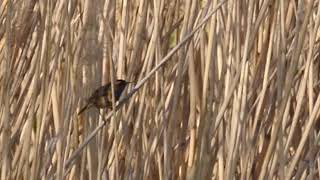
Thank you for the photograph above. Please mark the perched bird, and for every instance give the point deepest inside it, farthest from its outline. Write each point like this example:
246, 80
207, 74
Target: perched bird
102, 97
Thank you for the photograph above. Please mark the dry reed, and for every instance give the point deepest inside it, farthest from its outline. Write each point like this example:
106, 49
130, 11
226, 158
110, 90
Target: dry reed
222, 89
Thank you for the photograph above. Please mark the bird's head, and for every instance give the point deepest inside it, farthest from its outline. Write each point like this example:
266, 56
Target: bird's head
122, 83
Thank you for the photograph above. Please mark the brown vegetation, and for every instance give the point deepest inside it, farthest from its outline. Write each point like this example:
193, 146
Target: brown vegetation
221, 89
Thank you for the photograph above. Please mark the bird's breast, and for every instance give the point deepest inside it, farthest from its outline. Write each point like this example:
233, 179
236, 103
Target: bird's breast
102, 102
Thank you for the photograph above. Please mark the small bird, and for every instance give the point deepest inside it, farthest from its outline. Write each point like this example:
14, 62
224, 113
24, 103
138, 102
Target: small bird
102, 97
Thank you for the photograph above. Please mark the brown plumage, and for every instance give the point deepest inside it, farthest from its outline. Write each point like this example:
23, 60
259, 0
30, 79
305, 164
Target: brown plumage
102, 97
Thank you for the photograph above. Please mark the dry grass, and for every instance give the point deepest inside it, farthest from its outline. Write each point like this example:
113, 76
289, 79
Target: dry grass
222, 89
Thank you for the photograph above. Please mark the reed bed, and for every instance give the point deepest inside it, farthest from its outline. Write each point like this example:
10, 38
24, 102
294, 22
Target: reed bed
221, 89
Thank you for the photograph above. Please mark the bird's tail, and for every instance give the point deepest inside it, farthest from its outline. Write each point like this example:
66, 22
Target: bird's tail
84, 108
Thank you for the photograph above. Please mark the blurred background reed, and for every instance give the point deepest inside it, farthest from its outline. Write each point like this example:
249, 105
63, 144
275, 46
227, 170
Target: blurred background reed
222, 89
